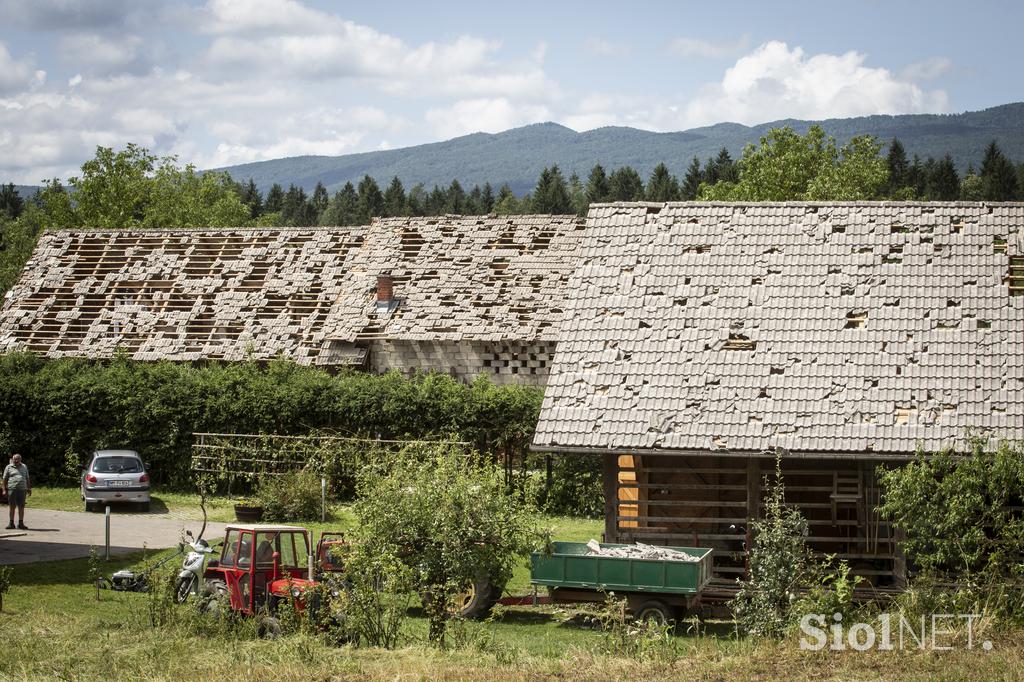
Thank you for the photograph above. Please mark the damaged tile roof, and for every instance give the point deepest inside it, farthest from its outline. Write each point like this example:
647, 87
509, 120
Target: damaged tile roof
307, 293
815, 328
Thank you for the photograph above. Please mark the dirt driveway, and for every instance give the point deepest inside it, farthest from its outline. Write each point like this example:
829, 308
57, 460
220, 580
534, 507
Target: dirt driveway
57, 535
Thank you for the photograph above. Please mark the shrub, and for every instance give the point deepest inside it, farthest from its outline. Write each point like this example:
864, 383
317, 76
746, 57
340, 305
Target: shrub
50, 408
294, 496
780, 565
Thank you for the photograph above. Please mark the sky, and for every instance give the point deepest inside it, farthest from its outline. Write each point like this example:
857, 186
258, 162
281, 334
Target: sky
224, 82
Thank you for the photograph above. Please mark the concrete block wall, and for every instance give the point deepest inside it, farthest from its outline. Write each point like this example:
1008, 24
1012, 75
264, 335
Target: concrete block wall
503, 363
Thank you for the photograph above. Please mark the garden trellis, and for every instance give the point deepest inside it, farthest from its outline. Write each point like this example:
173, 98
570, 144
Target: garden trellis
247, 457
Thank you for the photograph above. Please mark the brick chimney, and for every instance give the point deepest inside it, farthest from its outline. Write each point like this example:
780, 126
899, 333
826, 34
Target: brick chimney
385, 289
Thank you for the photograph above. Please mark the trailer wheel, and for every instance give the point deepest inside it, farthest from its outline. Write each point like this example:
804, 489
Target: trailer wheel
476, 602
654, 611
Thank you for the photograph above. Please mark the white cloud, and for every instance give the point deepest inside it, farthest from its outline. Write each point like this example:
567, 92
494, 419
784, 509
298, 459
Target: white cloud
107, 55
775, 82
75, 80
707, 49
602, 47
17, 75
487, 115
926, 70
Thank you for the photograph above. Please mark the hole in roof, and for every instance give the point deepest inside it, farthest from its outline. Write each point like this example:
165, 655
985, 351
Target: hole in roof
856, 318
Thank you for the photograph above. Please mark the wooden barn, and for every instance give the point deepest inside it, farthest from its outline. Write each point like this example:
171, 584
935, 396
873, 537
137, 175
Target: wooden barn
703, 340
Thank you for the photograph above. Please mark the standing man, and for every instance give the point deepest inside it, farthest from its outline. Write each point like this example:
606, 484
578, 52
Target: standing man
17, 487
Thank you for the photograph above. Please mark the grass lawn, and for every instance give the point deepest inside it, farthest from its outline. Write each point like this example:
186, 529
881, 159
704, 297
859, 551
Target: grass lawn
53, 627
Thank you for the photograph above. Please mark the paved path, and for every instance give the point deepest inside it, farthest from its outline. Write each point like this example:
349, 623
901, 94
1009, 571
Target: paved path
54, 535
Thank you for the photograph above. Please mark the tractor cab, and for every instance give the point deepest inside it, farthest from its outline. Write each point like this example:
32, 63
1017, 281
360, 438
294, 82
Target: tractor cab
258, 562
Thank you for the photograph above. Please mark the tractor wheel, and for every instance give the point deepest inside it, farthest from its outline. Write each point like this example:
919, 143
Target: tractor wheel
654, 611
476, 602
215, 598
269, 627
183, 588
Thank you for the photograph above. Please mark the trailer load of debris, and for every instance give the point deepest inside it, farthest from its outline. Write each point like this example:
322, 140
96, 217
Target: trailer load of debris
640, 551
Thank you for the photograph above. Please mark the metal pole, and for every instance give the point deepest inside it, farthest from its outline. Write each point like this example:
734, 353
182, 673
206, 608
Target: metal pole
107, 542
323, 500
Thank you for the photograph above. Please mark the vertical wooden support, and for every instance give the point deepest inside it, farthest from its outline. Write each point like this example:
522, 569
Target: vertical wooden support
610, 477
753, 505
753, 489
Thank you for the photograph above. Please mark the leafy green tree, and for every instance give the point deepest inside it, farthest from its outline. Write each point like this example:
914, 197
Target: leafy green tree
11, 203
371, 200
506, 202
972, 187
394, 198
998, 175
182, 198
295, 210
275, 199
691, 181
787, 166
598, 188
343, 207
662, 185
551, 194
450, 521
114, 188
957, 513
943, 180
625, 185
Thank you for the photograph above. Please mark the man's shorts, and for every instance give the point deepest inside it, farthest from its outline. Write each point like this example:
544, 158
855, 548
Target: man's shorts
16, 497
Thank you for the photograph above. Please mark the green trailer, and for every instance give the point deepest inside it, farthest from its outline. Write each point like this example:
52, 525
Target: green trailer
653, 588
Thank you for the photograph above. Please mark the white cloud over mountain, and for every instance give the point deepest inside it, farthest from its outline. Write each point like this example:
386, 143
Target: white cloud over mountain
233, 81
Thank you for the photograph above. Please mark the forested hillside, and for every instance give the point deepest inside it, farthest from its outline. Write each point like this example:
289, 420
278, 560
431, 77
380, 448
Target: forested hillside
516, 157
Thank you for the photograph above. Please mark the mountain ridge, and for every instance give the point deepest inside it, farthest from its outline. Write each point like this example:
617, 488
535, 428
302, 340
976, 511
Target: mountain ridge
517, 156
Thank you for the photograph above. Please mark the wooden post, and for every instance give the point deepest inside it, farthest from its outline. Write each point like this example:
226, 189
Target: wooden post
610, 477
753, 506
753, 489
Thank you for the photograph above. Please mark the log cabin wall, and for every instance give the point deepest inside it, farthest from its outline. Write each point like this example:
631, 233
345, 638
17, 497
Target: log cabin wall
709, 501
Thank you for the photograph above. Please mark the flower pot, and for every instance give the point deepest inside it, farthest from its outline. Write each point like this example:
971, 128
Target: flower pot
248, 513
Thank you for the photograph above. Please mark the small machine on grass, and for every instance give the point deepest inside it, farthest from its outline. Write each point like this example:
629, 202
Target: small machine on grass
263, 566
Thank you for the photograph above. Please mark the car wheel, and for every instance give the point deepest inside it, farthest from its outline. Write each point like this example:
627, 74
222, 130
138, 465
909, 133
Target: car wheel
90, 507
183, 588
144, 507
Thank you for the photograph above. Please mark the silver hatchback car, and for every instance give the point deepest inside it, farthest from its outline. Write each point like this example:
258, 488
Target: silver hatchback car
115, 476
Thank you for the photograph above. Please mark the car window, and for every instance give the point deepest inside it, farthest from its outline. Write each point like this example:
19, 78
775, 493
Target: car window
116, 465
230, 550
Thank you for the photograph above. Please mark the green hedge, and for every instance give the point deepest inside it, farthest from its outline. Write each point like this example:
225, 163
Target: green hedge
56, 412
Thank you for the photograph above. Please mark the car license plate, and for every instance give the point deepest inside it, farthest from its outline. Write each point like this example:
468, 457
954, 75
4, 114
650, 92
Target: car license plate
118, 484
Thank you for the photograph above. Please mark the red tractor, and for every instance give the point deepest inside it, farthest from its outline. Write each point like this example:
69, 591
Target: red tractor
263, 566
